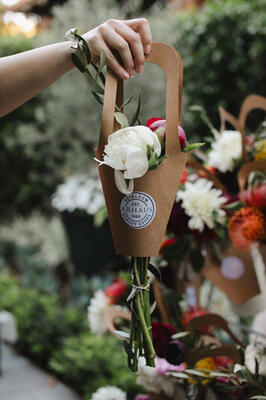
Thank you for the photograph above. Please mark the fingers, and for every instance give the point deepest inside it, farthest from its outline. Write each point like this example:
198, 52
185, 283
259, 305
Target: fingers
135, 46
131, 39
111, 60
142, 26
120, 43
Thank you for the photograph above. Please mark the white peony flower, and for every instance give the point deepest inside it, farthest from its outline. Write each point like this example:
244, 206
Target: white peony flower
200, 201
259, 326
152, 381
226, 151
126, 152
96, 309
79, 192
109, 393
255, 351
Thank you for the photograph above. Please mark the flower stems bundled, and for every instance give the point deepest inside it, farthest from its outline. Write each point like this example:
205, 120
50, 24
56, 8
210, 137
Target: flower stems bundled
140, 342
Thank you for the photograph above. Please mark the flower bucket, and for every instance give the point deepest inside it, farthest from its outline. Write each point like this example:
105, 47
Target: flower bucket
138, 221
241, 274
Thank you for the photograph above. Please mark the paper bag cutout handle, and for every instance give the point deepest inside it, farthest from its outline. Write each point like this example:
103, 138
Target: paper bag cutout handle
169, 60
215, 320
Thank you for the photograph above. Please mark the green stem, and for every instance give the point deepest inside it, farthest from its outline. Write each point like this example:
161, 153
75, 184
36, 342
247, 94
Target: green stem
146, 333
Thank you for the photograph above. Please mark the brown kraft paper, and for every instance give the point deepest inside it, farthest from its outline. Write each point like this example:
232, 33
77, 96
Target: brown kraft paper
238, 289
161, 184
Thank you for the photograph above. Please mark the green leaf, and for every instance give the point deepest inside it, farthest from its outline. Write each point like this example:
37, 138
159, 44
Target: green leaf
77, 62
122, 335
235, 206
121, 119
128, 100
136, 115
132, 293
180, 335
179, 375
98, 97
102, 62
204, 117
155, 271
93, 85
191, 147
196, 373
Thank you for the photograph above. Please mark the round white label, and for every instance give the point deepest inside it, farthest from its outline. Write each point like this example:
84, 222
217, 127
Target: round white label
138, 209
232, 267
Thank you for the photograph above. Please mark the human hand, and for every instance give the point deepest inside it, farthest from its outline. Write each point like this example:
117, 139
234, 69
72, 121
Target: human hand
131, 39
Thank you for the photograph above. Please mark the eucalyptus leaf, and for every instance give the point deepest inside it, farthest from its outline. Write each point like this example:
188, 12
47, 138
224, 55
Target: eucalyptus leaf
191, 147
132, 293
153, 306
93, 85
180, 335
98, 97
121, 119
102, 62
136, 115
122, 335
179, 375
155, 271
76, 61
195, 372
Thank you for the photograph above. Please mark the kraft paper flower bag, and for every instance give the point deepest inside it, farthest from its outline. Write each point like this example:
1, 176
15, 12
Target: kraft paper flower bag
138, 221
241, 273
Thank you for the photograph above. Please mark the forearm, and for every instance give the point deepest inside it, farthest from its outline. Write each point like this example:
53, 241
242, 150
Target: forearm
24, 75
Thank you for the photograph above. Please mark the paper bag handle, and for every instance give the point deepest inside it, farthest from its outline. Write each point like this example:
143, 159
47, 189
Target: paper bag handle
169, 60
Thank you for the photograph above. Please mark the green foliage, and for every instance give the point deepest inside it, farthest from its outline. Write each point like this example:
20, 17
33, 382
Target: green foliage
98, 361
223, 50
42, 321
59, 338
30, 174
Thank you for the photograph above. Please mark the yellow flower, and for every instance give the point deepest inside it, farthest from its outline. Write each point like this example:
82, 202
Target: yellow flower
260, 150
207, 364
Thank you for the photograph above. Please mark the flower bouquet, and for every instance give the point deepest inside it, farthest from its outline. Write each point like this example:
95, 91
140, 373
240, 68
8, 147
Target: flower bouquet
140, 174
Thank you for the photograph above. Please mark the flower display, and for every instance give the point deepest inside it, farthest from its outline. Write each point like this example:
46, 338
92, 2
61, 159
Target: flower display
109, 393
201, 202
79, 193
226, 151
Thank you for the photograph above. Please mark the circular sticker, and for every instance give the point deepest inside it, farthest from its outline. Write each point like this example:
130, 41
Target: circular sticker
138, 209
232, 267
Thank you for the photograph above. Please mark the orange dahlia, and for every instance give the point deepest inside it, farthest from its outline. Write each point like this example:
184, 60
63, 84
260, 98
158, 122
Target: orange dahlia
246, 226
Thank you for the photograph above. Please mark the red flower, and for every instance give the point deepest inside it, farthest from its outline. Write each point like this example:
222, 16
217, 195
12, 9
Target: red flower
184, 176
117, 291
155, 123
207, 234
193, 313
161, 335
167, 243
257, 197
223, 361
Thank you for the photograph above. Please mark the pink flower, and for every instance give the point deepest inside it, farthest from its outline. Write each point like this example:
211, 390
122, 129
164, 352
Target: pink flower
142, 397
155, 123
163, 366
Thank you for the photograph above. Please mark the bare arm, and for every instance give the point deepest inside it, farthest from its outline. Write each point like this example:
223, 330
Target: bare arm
24, 75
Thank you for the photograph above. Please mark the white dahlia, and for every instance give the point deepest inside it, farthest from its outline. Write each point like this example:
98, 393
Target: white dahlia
96, 310
226, 151
109, 393
202, 203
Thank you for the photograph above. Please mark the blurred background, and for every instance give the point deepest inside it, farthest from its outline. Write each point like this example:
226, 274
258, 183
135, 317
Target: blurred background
55, 249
